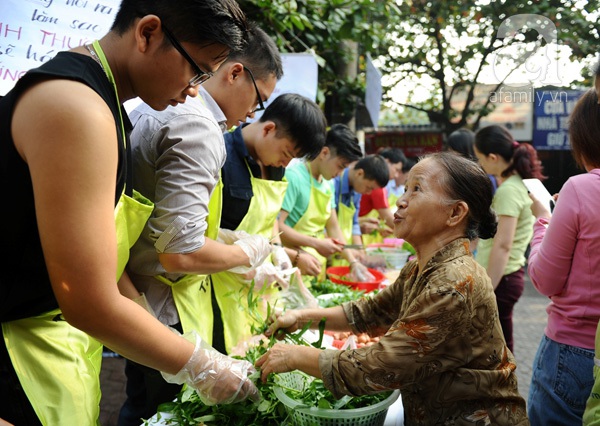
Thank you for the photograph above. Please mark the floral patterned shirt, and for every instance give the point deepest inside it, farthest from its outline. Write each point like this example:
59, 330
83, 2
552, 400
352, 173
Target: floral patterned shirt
442, 346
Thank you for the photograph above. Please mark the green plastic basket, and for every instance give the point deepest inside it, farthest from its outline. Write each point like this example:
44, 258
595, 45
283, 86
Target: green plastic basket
301, 415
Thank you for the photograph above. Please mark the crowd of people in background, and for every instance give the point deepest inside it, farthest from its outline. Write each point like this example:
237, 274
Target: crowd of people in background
145, 232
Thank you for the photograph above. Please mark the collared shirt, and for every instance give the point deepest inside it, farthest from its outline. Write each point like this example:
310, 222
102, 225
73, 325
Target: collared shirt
442, 346
237, 186
341, 184
177, 156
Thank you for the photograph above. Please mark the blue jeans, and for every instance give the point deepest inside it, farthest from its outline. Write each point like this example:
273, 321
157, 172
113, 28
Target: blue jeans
561, 383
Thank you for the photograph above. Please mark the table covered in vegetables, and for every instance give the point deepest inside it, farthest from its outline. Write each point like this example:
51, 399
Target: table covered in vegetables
188, 410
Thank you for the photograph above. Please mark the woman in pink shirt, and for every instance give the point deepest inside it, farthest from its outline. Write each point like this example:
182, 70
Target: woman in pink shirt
564, 264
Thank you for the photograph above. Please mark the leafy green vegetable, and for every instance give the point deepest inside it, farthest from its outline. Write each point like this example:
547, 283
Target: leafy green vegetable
328, 287
188, 410
315, 394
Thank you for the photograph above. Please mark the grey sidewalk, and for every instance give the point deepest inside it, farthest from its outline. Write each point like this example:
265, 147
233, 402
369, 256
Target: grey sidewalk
529, 322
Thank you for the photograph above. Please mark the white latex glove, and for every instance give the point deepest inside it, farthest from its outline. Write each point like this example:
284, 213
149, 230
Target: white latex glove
227, 236
280, 258
360, 273
257, 249
266, 274
217, 378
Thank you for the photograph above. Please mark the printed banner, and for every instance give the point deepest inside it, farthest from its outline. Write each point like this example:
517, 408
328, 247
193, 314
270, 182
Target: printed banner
551, 117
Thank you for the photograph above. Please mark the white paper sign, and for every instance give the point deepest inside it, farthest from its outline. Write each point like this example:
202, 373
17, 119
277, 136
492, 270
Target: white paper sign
373, 92
34, 31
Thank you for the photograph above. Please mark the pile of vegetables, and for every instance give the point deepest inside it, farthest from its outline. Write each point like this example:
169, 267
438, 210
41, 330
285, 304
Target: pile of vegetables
188, 410
341, 293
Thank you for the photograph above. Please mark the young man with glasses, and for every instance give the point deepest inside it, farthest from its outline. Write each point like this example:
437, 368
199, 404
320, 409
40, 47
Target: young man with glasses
64, 161
178, 154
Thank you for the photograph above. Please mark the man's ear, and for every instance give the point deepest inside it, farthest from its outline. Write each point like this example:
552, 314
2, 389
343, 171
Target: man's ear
268, 127
235, 70
458, 212
148, 30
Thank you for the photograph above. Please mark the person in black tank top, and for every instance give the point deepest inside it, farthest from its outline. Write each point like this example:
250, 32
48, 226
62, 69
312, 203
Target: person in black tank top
63, 164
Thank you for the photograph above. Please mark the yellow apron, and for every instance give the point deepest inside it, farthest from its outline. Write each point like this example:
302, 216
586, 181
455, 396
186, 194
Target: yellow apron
346, 220
375, 237
314, 219
57, 364
230, 289
192, 292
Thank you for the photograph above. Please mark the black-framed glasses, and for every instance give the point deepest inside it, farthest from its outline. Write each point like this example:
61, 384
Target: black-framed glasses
201, 76
260, 106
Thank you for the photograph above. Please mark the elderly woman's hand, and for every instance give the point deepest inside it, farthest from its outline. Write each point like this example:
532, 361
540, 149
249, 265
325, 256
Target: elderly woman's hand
288, 322
282, 358
276, 360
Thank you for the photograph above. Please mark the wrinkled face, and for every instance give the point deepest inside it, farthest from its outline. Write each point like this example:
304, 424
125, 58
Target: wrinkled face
422, 211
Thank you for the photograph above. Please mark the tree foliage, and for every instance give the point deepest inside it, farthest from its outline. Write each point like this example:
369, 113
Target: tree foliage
449, 44
445, 45
326, 27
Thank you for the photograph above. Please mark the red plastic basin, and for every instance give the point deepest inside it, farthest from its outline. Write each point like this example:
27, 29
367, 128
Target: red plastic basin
335, 274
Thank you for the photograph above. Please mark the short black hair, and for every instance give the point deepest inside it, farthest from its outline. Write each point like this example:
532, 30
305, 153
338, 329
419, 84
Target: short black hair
462, 141
201, 22
375, 168
393, 155
299, 119
343, 143
408, 165
260, 55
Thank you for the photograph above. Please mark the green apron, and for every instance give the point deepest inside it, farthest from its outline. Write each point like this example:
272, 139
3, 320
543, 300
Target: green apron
231, 290
346, 220
57, 364
314, 219
192, 292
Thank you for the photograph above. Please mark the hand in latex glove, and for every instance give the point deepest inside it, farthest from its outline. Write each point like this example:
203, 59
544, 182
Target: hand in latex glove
266, 274
227, 236
217, 378
360, 273
257, 248
280, 258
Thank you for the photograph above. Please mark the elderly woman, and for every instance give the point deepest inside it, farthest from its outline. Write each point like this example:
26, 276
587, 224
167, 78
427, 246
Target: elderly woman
441, 342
